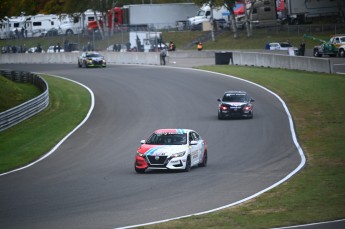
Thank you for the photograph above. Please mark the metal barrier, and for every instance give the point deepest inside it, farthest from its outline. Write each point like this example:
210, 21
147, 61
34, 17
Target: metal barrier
25, 110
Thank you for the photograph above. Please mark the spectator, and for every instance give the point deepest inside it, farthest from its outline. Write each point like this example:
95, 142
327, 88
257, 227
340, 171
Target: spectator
199, 46
172, 46
163, 54
38, 49
302, 48
58, 47
267, 46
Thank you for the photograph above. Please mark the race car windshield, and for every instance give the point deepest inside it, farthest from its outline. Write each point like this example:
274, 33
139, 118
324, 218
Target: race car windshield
167, 139
234, 98
93, 55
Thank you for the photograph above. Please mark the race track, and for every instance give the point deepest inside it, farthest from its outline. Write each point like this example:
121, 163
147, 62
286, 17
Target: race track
90, 182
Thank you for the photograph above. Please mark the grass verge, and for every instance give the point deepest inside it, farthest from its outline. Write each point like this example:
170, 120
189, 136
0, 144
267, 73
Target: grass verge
12, 93
315, 194
29, 140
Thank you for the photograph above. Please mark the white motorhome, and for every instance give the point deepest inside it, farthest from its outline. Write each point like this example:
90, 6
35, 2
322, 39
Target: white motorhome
12, 27
41, 25
144, 41
204, 15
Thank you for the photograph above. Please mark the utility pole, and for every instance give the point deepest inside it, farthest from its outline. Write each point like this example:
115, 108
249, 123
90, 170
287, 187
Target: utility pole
211, 21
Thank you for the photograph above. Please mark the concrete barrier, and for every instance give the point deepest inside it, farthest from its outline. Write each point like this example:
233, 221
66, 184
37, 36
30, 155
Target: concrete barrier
150, 58
258, 58
304, 63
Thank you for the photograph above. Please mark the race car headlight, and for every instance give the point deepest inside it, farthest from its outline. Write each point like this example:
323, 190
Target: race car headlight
181, 154
140, 154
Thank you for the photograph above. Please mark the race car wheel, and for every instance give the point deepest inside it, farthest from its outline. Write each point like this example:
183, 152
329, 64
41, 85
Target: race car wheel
251, 115
139, 170
342, 53
220, 117
84, 64
188, 164
204, 160
79, 65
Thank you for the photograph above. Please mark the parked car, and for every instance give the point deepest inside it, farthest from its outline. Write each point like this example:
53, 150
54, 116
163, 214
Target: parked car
171, 149
281, 46
91, 59
235, 104
55, 48
35, 50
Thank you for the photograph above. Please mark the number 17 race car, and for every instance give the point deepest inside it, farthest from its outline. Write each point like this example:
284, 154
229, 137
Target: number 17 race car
171, 149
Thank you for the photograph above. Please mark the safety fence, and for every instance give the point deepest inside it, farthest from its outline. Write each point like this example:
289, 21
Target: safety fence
27, 109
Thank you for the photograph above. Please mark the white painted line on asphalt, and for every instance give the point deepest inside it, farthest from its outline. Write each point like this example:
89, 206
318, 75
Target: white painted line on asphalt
298, 168
64, 139
310, 224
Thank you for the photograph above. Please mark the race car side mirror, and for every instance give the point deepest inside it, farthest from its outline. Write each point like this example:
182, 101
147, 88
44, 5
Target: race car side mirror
193, 142
219, 100
142, 142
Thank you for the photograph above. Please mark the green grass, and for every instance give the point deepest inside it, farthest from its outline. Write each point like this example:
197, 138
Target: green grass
13, 94
34, 137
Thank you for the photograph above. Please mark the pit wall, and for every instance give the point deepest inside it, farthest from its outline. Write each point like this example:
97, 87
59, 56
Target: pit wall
304, 63
151, 58
245, 58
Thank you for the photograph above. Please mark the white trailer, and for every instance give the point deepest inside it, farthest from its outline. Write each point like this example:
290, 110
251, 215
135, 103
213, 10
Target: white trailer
300, 11
159, 15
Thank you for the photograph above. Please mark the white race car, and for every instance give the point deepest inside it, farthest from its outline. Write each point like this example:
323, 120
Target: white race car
171, 149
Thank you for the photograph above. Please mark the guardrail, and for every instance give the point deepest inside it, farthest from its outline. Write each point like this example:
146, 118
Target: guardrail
25, 110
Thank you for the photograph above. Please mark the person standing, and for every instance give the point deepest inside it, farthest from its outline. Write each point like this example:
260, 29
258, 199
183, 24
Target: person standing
163, 54
302, 48
199, 46
172, 46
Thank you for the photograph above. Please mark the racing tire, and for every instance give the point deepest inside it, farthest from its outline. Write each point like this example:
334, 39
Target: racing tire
84, 64
79, 65
251, 116
342, 53
141, 171
69, 32
317, 53
220, 117
188, 164
204, 160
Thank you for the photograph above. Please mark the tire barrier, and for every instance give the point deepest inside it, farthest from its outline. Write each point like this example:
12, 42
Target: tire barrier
29, 108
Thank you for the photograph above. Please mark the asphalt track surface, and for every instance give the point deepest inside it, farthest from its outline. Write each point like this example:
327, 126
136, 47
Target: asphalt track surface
90, 182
